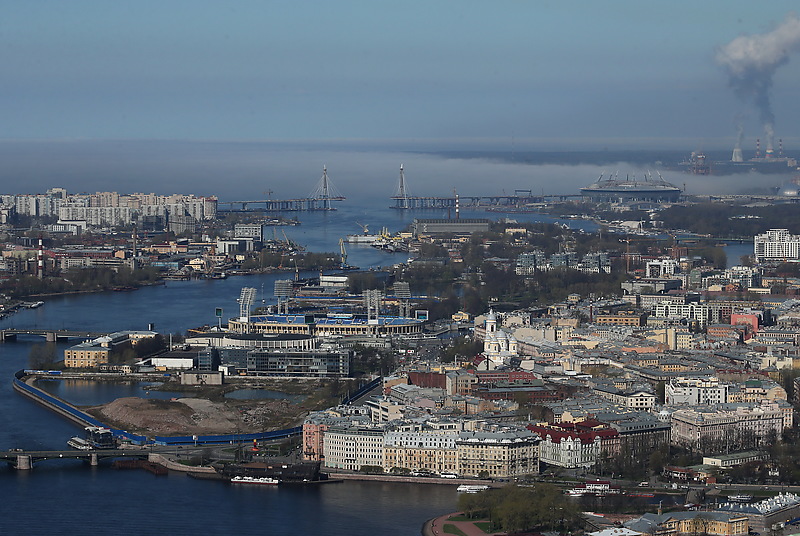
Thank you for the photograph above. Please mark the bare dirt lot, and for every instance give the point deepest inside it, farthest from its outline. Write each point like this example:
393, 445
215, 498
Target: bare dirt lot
209, 412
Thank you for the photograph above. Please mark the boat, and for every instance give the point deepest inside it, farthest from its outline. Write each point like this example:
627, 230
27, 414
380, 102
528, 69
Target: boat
262, 480
599, 488
467, 488
740, 498
368, 239
79, 443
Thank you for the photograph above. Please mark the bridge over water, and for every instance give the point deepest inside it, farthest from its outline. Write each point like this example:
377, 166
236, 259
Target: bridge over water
24, 459
51, 335
521, 199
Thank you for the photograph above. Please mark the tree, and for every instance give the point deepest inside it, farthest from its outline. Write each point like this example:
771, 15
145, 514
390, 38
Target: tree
42, 356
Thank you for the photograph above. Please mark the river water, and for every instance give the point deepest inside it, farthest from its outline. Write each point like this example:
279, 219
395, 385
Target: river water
60, 497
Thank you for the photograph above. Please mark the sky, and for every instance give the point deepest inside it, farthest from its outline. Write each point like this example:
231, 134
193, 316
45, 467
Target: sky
524, 74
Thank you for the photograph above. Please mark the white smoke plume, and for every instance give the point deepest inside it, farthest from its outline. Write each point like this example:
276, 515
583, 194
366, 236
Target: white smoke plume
751, 62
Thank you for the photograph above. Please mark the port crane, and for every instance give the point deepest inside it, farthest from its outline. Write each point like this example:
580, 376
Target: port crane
343, 252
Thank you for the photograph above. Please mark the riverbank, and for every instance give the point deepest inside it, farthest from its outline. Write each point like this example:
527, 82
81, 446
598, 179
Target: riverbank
413, 479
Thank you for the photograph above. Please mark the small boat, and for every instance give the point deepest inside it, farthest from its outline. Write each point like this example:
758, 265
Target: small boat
740, 498
262, 480
466, 488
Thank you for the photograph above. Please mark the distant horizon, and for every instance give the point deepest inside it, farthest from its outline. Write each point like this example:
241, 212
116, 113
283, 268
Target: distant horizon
251, 170
499, 144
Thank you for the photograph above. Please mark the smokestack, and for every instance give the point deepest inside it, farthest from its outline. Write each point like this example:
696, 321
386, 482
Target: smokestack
751, 62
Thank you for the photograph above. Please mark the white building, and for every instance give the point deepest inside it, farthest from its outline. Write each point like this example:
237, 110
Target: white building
776, 245
353, 447
695, 312
570, 451
661, 268
694, 391
497, 344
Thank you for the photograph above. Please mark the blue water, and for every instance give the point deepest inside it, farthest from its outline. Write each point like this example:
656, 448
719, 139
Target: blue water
91, 393
60, 497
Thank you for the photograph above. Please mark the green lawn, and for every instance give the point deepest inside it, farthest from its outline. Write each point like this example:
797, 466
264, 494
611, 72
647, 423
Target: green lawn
485, 526
452, 529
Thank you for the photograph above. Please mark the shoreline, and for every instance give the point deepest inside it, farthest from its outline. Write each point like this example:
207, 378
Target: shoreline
401, 479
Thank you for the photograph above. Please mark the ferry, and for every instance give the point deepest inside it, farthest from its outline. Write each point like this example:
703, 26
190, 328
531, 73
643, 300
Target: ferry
79, 443
466, 488
264, 480
599, 488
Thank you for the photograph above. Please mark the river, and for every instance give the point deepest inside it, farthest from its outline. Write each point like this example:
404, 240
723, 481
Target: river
60, 497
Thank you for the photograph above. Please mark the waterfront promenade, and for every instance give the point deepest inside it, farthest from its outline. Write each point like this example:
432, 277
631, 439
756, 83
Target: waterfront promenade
436, 526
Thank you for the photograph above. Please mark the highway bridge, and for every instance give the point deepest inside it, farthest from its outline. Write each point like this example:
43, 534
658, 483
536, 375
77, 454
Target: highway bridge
305, 204
24, 459
51, 335
520, 199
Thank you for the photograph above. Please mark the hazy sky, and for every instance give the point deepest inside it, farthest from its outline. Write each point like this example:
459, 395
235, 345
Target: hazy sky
542, 73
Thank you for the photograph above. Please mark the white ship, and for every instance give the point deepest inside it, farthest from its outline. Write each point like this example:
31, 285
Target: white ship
365, 237
466, 488
263, 480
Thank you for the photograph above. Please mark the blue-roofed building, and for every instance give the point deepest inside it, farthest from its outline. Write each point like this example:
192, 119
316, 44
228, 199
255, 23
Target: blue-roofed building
330, 324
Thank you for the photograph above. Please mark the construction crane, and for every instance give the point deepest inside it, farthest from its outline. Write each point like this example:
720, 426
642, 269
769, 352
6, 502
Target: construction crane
343, 252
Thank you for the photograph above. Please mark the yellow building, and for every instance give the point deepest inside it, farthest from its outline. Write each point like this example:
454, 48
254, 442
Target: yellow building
86, 355
497, 454
434, 460
692, 523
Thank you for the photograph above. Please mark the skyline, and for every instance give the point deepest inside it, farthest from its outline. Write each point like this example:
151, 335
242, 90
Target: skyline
514, 75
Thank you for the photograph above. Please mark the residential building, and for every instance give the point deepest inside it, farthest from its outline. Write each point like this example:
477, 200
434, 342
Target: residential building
353, 447
694, 391
497, 454
776, 245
